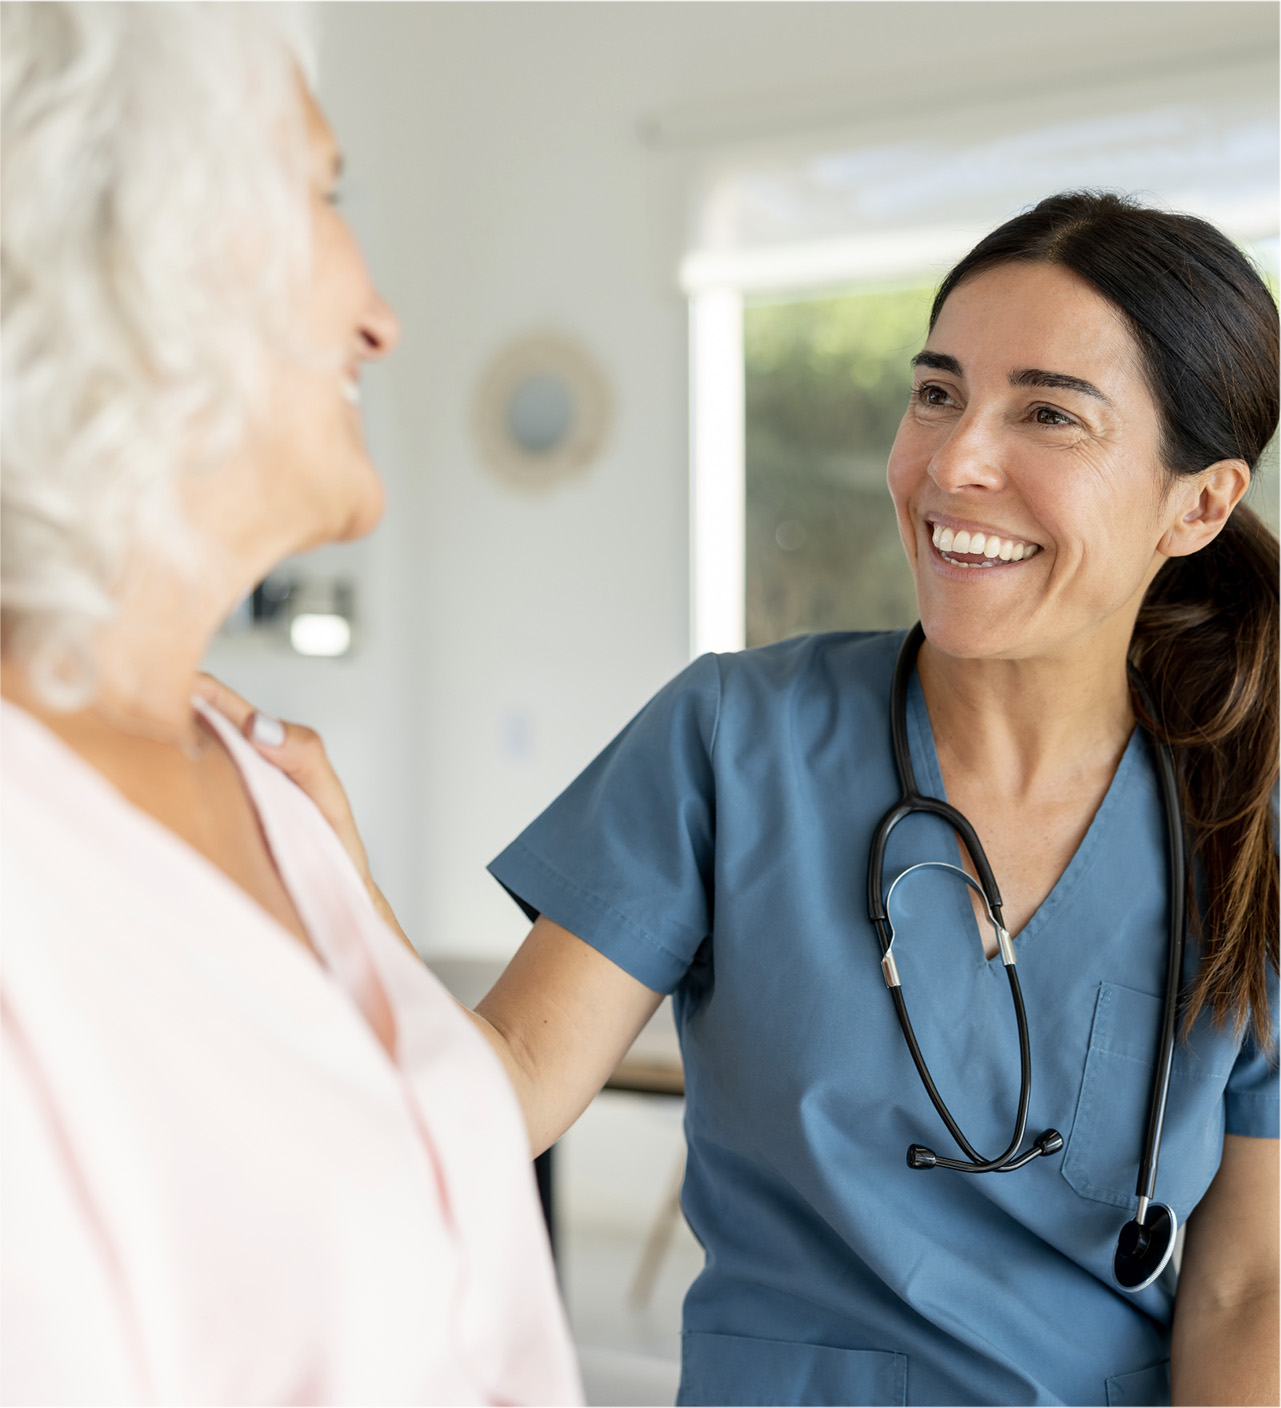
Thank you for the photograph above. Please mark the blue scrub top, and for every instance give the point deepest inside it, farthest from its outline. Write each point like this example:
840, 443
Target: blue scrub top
717, 849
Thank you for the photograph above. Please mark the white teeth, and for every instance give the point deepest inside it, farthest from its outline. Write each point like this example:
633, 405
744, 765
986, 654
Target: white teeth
351, 391
989, 546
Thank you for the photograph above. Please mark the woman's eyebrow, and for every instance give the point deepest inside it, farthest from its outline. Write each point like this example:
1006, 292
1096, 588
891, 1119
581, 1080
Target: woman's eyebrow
1026, 376
939, 361
1061, 381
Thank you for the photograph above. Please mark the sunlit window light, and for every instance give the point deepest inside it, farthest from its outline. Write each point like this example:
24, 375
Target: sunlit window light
716, 487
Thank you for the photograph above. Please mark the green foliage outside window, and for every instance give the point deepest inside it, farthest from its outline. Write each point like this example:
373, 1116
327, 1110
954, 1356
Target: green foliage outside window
827, 381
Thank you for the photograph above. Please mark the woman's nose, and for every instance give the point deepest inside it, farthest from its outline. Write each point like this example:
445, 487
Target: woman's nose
379, 329
970, 458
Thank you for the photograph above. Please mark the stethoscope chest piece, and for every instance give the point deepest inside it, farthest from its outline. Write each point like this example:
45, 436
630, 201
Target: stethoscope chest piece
1144, 1247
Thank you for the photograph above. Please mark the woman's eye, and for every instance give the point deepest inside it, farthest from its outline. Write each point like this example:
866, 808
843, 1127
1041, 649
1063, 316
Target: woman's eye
1047, 415
931, 395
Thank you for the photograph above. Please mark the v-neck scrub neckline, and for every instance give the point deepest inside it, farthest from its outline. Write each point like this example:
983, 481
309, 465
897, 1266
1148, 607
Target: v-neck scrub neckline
926, 761
717, 849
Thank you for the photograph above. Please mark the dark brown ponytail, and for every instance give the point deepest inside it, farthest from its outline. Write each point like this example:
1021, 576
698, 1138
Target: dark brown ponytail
1206, 642
1206, 639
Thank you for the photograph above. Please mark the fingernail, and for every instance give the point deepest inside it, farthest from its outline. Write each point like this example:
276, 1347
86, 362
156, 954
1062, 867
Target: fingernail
267, 730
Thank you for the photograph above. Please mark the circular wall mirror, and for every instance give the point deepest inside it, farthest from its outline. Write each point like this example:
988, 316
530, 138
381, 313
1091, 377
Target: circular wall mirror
542, 411
540, 414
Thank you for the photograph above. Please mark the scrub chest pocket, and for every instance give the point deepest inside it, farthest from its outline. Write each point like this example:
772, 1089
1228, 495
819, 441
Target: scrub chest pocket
1100, 1161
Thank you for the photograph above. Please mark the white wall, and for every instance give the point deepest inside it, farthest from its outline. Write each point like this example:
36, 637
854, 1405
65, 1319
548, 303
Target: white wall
500, 185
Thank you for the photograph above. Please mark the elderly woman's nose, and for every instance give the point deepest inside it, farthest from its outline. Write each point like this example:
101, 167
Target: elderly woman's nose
970, 458
379, 329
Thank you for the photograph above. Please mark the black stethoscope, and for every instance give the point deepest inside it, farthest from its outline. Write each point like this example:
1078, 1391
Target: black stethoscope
1146, 1242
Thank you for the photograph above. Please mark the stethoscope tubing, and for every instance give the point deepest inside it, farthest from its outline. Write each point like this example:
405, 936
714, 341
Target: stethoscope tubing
913, 801
1176, 859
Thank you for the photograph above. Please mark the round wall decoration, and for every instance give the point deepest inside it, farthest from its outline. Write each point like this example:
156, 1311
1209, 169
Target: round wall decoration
542, 411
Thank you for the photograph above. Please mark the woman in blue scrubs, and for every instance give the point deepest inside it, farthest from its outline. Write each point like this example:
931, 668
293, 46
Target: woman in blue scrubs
1097, 385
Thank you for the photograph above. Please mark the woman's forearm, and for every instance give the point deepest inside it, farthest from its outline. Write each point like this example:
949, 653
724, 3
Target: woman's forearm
522, 1083
560, 1018
1227, 1353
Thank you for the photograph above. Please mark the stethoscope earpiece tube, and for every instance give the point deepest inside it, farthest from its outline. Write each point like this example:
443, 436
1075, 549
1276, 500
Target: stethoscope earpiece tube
919, 1157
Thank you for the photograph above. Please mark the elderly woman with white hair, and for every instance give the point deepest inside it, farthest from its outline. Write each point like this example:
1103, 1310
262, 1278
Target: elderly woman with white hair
252, 1152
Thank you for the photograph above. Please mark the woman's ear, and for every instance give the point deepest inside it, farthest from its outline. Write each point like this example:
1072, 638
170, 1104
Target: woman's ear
1203, 503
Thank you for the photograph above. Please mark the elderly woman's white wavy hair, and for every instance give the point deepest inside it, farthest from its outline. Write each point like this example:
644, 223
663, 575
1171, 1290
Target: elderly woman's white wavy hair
153, 230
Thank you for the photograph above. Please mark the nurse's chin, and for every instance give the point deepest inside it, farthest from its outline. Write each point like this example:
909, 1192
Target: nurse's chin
968, 634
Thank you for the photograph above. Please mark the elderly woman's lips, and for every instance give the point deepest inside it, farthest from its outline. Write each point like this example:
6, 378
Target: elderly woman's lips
984, 549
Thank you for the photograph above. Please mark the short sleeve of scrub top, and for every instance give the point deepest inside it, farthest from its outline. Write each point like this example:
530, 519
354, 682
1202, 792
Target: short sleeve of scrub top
624, 857
1251, 1094
717, 849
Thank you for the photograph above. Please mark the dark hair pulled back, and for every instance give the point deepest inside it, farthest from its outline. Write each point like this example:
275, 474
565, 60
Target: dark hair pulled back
1206, 638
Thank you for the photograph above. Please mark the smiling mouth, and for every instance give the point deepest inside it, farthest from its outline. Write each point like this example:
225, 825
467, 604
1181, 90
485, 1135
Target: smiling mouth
963, 548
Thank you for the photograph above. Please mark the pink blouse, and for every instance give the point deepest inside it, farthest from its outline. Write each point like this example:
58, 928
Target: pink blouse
219, 1184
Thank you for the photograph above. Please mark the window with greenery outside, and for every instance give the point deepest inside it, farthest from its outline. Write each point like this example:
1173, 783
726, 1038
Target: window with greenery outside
827, 381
